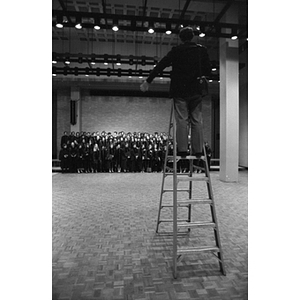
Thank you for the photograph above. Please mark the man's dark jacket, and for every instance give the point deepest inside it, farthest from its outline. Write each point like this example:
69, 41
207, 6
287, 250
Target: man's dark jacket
189, 62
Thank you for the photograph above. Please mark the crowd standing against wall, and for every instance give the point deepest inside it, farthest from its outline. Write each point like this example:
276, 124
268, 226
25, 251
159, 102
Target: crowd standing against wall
116, 152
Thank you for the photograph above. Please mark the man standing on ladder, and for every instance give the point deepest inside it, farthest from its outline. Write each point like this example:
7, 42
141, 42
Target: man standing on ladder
190, 63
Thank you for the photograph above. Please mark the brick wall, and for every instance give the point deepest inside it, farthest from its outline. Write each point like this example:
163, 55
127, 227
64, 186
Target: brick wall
127, 114
63, 114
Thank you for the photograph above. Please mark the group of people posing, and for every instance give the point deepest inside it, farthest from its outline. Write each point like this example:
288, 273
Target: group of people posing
85, 152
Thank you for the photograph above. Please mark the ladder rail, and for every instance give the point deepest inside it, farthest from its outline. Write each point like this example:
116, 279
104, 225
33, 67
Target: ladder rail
213, 214
188, 224
164, 172
174, 193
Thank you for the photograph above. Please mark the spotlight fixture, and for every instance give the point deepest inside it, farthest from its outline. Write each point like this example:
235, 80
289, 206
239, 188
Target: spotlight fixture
78, 23
93, 60
87, 72
67, 60
140, 73
97, 24
118, 60
54, 61
234, 34
105, 60
98, 71
143, 62
115, 26
53, 71
214, 69
151, 28
59, 22
131, 60
168, 29
202, 31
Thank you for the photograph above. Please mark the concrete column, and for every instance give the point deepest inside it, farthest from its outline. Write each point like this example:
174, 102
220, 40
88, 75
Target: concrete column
229, 102
229, 112
75, 96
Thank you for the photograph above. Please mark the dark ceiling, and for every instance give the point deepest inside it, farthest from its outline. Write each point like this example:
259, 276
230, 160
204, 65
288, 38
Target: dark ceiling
217, 19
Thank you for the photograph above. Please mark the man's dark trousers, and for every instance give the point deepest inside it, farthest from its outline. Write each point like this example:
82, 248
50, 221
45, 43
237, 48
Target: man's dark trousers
188, 109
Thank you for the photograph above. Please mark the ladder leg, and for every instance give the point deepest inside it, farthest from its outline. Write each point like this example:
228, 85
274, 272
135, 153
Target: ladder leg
213, 214
164, 170
174, 197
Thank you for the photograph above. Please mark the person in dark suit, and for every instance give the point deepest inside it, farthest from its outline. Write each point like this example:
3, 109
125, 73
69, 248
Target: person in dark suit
73, 153
64, 158
190, 62
64, 139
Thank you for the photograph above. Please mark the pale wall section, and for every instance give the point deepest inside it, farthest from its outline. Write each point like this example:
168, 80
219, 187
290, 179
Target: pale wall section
129, 114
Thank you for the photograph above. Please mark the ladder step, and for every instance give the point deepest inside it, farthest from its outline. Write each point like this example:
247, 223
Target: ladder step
169, 157
171, 220
193, 179
187, 250
178, 174
196, 224
194, 201
171, 190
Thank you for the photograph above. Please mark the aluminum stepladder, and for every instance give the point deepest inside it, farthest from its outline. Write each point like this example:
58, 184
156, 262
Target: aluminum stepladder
188, 203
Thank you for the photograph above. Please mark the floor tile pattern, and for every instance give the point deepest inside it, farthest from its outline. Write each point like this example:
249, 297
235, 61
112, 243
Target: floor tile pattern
105, 245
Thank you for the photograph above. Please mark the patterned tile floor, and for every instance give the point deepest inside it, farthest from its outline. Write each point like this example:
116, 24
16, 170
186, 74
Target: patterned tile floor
105, 245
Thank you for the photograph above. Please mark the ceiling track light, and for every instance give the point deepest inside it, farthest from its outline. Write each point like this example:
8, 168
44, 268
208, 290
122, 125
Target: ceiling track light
97, 24
78, 23
105, 59
67, 59
54, 60
65, 71
115, 26
93, 59
143, 61
131, 60
168, 29
151, 27
201, 31
59, 22
118, 63
234, 35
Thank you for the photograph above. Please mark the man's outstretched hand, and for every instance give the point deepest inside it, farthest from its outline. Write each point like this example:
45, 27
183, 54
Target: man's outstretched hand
144, 86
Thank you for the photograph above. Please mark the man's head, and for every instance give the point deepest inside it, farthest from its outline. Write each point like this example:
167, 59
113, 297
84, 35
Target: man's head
186, 34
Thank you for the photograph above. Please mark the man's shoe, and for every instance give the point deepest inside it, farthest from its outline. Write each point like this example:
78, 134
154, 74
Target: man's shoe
199, 154
182, 153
